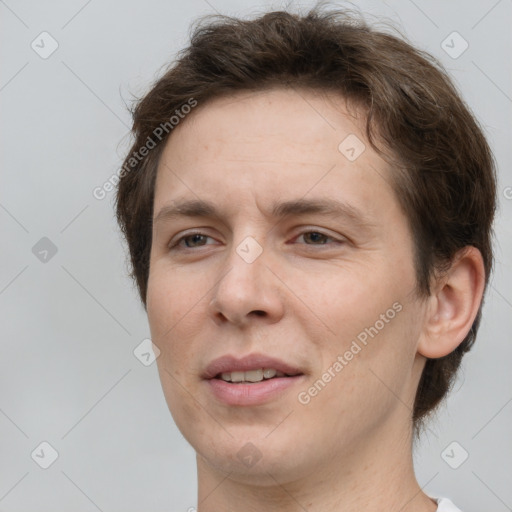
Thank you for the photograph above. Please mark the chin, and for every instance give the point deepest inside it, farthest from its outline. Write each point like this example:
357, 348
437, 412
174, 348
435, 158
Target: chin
255, 459
265, 472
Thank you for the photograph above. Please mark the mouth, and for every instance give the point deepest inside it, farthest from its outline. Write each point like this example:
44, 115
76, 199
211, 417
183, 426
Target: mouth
249, 368
252, 376
251, 380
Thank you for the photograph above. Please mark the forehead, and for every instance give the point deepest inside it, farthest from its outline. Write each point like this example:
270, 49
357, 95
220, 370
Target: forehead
264, 145
292, 122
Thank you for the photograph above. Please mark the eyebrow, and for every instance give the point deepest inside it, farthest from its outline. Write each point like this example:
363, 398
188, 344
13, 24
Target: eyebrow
280, 210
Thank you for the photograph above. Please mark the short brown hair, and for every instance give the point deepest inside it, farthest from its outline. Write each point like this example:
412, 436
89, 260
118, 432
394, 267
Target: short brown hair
444, 175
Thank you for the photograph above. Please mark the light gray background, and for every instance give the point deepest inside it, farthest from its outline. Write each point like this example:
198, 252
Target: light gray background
69, 326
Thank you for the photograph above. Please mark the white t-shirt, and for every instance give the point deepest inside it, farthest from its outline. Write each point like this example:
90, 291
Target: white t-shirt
445, 505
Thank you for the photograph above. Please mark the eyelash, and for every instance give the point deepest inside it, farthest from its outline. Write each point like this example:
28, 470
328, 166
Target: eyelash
175, 245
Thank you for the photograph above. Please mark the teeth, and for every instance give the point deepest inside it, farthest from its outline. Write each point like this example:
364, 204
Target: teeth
237, 376
254, 375
251, 375
268, 373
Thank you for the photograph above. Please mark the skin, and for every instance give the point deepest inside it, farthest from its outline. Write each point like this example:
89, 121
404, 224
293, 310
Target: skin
304, 299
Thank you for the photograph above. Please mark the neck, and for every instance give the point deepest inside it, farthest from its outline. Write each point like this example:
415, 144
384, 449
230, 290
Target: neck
372, 475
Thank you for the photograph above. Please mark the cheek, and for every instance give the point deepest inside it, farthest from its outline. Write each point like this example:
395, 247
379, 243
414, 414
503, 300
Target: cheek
176, 309
186, 411
373, 328
349, 302
168, 301
170, 314
369, 384
164, 310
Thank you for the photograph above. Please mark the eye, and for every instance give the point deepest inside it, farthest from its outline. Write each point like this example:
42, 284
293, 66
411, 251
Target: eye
317, 236
194, 238
198, 239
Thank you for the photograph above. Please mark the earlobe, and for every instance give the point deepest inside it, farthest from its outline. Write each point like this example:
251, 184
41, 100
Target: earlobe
453, 304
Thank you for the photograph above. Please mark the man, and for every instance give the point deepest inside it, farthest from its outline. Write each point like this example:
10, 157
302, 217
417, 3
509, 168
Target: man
308, 207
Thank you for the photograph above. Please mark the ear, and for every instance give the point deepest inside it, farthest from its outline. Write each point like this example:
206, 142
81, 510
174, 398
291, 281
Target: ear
453, 304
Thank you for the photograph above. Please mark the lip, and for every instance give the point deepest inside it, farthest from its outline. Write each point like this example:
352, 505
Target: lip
257, 393
230, 363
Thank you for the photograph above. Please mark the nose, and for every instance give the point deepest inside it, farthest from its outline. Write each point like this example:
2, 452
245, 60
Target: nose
247, 289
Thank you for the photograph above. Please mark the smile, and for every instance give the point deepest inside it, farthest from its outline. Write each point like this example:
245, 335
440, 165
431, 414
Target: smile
251, 375
253, 379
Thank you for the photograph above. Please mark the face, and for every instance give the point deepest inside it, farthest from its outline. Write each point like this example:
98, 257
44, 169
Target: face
301, 274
